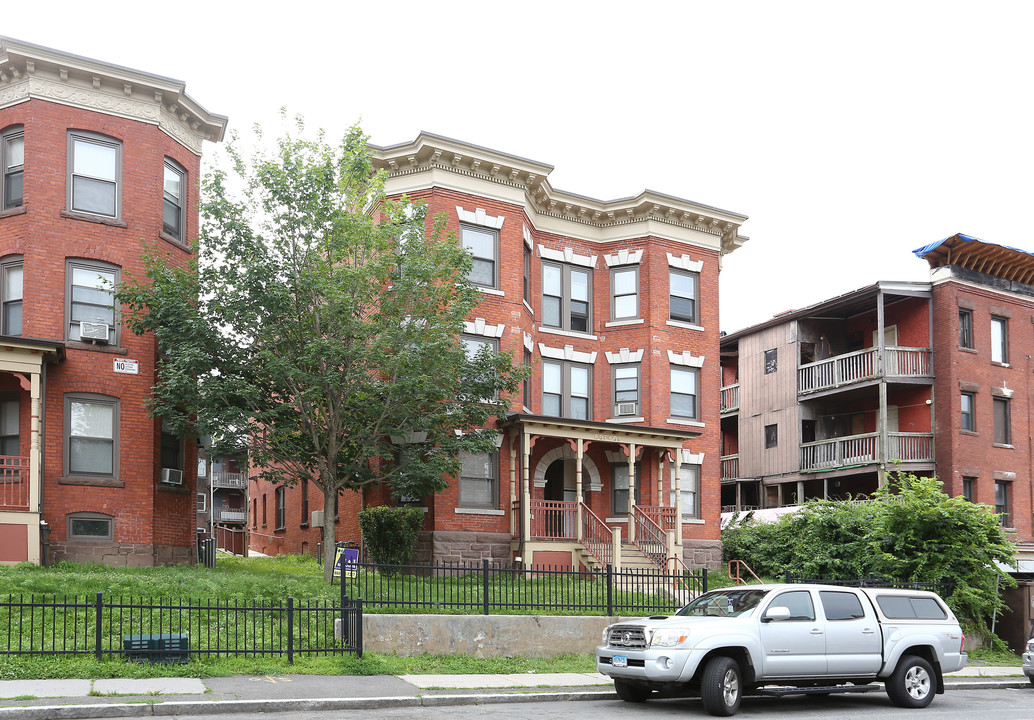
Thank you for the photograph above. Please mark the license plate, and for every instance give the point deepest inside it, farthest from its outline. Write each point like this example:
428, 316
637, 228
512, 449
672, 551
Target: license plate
619, 661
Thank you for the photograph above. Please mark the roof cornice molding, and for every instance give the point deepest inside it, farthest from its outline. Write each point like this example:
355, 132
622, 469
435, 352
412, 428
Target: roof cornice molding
429, 152
31, 71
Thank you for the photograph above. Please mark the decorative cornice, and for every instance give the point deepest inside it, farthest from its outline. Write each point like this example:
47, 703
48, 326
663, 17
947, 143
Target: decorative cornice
686, 359
567, 352
567, 255
480, 217
435, 152
32, 71
480, 327
624, 256
624, 355
683, 262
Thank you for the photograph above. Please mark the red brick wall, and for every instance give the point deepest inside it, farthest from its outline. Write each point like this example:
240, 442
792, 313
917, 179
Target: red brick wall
144, 512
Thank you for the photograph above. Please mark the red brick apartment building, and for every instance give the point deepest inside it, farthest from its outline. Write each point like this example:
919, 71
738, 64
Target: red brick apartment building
97, 161
614, 305
928, 377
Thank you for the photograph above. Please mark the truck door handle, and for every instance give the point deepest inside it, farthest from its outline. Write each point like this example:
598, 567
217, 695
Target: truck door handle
868, 631
816, 631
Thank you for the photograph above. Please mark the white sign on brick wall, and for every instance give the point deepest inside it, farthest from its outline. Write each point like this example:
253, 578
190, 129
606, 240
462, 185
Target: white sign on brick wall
126, 366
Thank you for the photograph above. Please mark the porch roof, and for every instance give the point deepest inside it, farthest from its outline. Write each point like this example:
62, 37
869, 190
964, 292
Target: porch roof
19, 354
570, 429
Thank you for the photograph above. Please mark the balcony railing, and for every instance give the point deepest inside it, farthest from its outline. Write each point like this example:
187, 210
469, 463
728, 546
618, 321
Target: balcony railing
730, 467
860, 365
553, 520
730, 398
866, 450
229, 480
234, 516
14, 482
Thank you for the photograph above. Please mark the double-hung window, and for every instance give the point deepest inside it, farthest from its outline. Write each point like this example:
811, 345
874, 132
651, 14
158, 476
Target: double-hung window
527, 274
172, 448
626, 389
174, 200
619, 504
483, 244
689, 484
10, 445
1002, 429
479, 480
91, 301
968, 420
683, 296
91, 435
624, 285
966, 329
11, 296
685, 390
566, 297
12, 167
280, 496
94, 174
999, 340
1002, 503
566, 389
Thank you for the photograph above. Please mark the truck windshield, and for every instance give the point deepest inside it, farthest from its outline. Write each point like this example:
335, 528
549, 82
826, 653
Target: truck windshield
727, 602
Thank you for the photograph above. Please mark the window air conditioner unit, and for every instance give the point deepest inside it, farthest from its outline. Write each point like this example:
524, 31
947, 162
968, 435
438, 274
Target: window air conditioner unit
172, 476
317, 518
627, 408
97, 332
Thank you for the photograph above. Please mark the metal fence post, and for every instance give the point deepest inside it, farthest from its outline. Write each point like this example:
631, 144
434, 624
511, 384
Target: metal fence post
99, 617
290, 631
484, 585
704, 579
358, 615
610, 590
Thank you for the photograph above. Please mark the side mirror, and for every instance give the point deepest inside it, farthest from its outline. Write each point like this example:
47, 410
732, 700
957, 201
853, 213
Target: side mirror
776, 614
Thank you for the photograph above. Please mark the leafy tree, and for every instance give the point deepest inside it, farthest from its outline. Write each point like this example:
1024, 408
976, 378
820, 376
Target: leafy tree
318, 321
909, 531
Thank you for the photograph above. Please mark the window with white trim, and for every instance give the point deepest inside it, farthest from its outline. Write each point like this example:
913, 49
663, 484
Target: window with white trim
683, 296
479, 481
91, 300
689, 479
174, 200
566, 389
483, 244
685, 391
202, 502
11, 291
999, 340
566, 297
91, 435
624, 288
94, 174
626, 389
12, 167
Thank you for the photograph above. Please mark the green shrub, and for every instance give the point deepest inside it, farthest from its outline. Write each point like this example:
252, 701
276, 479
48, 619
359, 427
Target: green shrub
389, 533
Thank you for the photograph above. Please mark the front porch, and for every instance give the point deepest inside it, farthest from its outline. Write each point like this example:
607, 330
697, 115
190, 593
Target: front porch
587, 494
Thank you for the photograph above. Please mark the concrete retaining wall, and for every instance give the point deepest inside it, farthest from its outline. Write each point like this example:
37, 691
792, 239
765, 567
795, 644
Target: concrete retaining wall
482, 635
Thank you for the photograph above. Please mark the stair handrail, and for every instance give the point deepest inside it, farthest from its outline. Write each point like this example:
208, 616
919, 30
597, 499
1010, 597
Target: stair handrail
675, 563
597, 537
649, 536
736, 578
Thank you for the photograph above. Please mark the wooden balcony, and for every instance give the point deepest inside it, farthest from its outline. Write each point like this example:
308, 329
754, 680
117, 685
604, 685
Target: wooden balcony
730, 398
861, 366
866, 450
730, 467
229, 480
14, 482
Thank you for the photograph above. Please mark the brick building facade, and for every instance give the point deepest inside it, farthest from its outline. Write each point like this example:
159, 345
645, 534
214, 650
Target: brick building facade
614, 306
930, 377
98, 161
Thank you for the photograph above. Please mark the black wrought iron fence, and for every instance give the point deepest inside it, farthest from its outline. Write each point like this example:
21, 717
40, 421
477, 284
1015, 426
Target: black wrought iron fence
486, 588
168, 629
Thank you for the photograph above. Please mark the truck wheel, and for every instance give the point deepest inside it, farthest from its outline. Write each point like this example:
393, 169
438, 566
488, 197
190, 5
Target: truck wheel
721, 687
912, 685
630, 692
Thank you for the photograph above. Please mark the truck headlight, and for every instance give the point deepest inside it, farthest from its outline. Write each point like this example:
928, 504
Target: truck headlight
669, 637
606, 634
1030, 645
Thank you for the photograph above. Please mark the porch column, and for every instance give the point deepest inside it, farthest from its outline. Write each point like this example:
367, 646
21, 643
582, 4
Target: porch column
678, 493
631, 492
526, 505
35, 455
514, 520
579, 454
661, 501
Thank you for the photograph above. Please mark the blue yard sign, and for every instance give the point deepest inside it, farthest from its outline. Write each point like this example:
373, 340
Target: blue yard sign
348, 560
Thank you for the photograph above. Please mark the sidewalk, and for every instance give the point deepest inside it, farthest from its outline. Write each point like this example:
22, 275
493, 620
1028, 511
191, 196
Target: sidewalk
48, 699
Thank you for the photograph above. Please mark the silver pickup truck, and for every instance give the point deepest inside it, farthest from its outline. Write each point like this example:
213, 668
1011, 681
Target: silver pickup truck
783, 639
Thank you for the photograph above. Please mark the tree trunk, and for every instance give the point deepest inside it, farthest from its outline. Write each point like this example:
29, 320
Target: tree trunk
329, 544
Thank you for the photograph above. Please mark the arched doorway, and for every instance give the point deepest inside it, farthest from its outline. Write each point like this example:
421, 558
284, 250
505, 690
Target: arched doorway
560, 494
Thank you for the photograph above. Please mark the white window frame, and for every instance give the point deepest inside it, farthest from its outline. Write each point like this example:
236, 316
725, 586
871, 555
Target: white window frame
102, 268
615, 296
695, 373
12, 167
202, 502
1000, 339
693, 297
178, 204
9, 296
494, 259
565, 299
626, 392
114, 404
689, 478
80, 138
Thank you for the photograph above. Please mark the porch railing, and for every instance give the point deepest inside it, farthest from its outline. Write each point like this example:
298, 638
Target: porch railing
235, 516
597, 537
865, 449
553, 520
14, 482
651, 540
730, 398
730, 467
229, 480
861, 365
664, 517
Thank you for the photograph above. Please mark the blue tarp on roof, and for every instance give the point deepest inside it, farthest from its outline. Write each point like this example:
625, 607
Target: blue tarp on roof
927, 249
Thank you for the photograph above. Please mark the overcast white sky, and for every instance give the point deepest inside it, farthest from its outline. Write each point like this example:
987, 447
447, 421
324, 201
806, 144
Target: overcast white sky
851, 133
